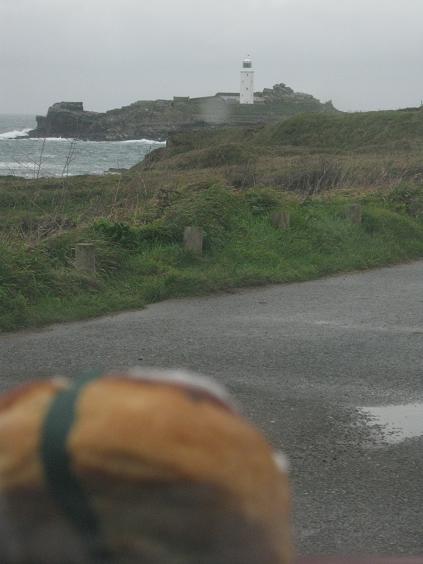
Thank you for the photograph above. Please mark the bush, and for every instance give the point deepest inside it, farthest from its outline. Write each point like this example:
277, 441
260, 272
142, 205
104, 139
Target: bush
408, 197
213, 210
58, 249
384, 221
262, 200
132, 236
121, 233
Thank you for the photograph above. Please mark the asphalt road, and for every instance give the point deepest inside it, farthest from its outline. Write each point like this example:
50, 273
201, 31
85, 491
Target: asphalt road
300, 359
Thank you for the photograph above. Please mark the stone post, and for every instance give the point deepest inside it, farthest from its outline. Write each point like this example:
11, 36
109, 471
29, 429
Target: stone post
354, 213
414, 209
193, 240
85, 257
280, 220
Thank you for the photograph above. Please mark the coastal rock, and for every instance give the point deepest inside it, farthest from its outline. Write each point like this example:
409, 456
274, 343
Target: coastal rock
158, 118
65, 119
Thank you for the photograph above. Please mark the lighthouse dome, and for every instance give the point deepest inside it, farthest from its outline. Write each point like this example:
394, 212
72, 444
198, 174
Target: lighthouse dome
247, 63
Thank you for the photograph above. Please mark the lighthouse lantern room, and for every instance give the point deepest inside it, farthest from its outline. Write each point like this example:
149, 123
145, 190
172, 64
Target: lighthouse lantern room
247, 82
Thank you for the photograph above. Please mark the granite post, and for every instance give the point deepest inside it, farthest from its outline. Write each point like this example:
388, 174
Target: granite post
193, 239
85, 257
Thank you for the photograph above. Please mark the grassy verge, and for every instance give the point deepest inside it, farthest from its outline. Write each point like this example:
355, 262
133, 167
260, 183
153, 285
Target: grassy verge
141, 262
315, 165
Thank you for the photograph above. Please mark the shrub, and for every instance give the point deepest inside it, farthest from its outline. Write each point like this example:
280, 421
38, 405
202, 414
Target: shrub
213, 210
132, 236
408, 197
384, 221
262, 200
119, 232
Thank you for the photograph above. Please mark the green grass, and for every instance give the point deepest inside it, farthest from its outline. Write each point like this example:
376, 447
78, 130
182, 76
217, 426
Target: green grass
398, 129
227, 181
140, 264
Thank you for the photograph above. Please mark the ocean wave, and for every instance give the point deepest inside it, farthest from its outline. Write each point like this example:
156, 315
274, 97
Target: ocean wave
68, 139
15, 134
145, 141
15, 165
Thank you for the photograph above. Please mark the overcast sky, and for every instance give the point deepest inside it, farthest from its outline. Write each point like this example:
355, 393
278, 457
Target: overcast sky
362, 54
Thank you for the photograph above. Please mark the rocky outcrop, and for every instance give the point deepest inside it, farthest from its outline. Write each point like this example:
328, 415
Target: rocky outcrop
65, 119
156, 119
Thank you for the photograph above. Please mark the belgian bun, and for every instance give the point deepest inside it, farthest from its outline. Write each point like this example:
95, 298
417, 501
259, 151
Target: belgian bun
171, 471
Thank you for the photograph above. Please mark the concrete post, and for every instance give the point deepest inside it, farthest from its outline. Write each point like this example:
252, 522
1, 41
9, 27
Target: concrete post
193, 240
85, 257
414, 209
280, 220
354, 213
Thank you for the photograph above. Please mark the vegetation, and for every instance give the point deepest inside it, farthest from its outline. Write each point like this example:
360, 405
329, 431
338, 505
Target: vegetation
379, 130
228, 182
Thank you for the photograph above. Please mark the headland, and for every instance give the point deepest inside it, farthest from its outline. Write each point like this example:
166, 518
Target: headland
156, 119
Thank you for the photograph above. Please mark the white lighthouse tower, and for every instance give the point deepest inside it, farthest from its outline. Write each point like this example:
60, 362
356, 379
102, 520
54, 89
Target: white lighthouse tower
247, 82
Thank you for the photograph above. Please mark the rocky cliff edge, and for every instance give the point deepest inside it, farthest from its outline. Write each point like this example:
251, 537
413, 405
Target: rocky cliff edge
156, 119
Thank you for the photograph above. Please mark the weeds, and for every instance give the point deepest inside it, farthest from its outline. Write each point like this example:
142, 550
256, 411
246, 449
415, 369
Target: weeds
143, 263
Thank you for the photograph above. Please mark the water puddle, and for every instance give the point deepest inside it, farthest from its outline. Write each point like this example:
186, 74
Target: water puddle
398, 422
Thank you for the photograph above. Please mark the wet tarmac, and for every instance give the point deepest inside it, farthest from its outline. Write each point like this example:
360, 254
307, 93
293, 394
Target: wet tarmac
304, 361
396, 422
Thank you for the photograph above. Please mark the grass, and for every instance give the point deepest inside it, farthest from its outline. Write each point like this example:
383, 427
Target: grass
398, 129
136, 267
228, 182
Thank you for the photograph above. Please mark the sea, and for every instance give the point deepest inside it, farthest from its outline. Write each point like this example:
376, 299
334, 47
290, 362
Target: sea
28, 157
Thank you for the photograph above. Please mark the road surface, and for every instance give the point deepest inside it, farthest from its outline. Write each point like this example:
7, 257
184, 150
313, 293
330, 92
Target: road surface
301, 359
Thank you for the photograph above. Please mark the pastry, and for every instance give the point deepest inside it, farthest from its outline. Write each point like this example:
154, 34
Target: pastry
138, 466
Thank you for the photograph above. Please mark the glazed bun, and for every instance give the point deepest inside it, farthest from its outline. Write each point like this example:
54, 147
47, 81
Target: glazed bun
144, 466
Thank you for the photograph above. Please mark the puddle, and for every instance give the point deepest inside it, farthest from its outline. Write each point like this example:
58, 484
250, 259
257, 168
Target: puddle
398, 422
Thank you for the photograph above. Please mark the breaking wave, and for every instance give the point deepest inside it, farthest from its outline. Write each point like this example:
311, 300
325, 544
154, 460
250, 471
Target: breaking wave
14, 165
32, 157
19, 133
15, 134
76, 140
145, 141
68, 139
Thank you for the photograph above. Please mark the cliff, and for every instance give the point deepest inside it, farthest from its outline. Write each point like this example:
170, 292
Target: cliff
156, 119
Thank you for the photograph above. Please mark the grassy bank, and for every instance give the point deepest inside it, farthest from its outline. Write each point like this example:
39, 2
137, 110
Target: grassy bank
228, 183
141, 264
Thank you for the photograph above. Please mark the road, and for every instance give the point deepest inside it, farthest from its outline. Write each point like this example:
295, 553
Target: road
301, 359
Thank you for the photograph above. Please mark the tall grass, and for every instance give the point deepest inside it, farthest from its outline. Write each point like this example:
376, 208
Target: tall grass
227, 181
140, 264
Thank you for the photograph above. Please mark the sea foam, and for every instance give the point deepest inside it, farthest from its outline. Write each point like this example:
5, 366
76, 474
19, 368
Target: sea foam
144, 141
15, 134
16, 165
68, 139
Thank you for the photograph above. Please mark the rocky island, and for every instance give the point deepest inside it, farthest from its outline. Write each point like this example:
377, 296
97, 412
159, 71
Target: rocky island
156, 119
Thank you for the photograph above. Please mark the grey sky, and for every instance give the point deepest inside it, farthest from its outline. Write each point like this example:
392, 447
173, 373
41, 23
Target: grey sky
362, 54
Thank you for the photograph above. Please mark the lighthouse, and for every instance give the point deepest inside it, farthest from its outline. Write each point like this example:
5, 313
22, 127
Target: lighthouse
247, 82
